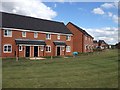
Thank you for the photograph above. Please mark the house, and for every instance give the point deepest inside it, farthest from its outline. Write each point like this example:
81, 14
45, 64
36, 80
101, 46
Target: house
102, 44
82, 41
117, 45
95, 44
24, 36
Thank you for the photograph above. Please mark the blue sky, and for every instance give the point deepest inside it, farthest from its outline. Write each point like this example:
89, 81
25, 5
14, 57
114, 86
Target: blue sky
100, 19
81, 14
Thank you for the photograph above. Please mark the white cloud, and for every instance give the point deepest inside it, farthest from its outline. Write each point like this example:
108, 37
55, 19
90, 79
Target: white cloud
109, 34
55, 5
108, 5
32, 8
98, 11
115, 18
110, 14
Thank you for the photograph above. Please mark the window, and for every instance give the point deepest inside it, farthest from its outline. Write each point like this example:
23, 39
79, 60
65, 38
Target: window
68, 49
85, 37
20, 48
23, 34
62, 48
7, 48
48, 48
86, 47
48, 36
41, 48
35, 34
7, 33
58, 36
68, 38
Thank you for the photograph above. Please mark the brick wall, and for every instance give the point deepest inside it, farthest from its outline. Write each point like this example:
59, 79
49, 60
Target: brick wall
79, 40
30, 35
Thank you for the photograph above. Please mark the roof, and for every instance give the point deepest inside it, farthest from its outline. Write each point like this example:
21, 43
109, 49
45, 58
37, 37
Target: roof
59, 43
102, 41
95, 41
80, 29
10, 20
30, 42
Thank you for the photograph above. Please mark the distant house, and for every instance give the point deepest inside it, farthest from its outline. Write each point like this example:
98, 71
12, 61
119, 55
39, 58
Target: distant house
82, 41
23, 36
118, 45
95, 44
102, 44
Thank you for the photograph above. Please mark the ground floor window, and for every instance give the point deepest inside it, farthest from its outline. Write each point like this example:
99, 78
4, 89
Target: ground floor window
42, 48
48, 48
68, 49
20, 48
7, 48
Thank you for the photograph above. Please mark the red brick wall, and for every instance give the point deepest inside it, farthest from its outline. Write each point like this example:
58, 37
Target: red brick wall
30, 35
79, 40
89, 42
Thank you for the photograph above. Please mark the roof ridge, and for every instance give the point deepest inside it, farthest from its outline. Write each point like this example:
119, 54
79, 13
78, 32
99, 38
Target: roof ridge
82, 30
32, 23
31, 17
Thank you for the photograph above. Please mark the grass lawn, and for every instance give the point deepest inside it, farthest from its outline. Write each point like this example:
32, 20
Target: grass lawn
99, 70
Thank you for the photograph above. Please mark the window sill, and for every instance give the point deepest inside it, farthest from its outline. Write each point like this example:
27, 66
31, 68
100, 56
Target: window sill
7, 36
7, 52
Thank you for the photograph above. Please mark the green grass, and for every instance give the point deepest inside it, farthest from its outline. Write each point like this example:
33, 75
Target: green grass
97, 70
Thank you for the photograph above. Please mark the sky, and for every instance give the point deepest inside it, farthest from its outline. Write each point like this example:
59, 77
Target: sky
99, 19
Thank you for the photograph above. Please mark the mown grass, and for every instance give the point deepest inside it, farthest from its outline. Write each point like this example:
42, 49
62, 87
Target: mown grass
98, 70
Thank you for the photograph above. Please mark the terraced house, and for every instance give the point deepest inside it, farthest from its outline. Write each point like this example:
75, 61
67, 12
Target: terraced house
23, 36
82, 41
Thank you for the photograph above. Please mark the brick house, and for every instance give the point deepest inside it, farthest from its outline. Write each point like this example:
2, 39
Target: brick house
82, 41
23, 36
102, 44
95, 44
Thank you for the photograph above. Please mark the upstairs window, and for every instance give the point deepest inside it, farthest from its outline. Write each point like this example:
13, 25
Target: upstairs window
7, 33
7, 48
48, 36
23, 34
35, 35
58, 36
68, 37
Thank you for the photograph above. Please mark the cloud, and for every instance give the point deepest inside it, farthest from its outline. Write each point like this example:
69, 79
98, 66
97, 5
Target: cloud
98, 11
110, 14
109, 34
108, 5
115, 18
55, 5
32, 8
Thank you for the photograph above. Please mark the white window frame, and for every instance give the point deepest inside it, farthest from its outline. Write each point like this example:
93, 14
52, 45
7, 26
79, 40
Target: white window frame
58, 36
21, 47
48, 47
42, 48
8, 33
35, 34
23, 34
7, 48
49, 36
68, 49
69, 38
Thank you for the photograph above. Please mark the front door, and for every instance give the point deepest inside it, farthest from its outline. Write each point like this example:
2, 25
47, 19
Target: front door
35, 51
58, 51
27, 54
